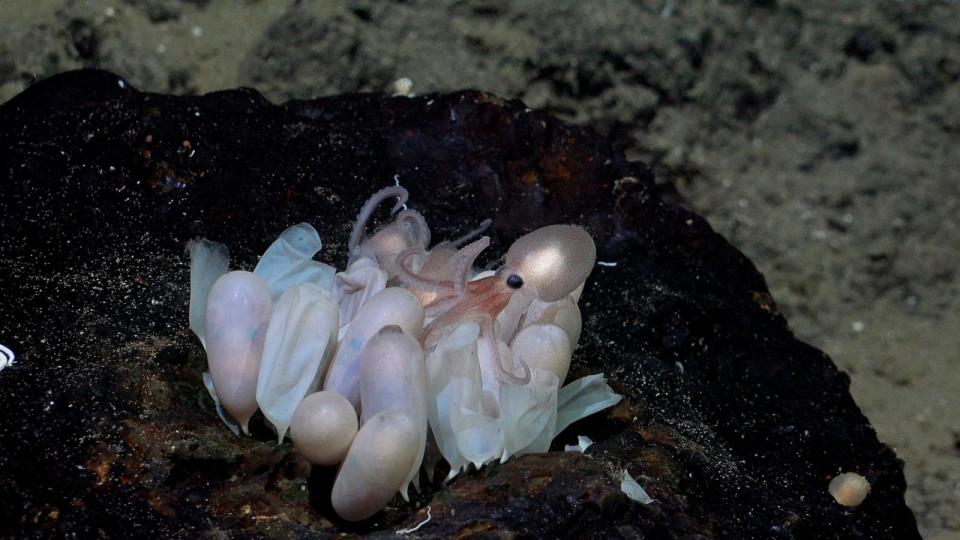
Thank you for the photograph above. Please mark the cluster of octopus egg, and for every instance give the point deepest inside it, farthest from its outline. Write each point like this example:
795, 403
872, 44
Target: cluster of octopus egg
404, 353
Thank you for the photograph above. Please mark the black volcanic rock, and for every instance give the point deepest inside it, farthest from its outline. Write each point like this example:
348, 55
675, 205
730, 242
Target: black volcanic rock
733, 425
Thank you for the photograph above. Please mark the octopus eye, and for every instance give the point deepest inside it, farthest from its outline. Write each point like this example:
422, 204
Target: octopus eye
514, 281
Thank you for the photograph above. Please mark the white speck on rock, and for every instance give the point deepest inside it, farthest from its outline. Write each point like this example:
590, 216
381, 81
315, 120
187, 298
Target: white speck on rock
402, 87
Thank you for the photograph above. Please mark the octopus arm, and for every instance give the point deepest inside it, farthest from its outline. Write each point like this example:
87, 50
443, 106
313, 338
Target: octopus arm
412, 278
502, 373
464, 261
366, 211
482, 228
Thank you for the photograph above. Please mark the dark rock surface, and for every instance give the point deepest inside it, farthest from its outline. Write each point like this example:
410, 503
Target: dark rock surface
733, 425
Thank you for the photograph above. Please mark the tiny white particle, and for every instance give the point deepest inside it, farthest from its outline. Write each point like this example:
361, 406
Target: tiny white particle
608, 264
161, 48
121, 84
858, 326
110, 12
196, 31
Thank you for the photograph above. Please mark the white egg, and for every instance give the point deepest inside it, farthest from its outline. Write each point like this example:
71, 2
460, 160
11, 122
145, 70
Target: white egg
376, 466
323, 427
238, 313
394, 377
391, 306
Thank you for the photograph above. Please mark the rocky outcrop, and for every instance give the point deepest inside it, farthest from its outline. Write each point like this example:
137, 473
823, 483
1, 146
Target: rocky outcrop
732, 425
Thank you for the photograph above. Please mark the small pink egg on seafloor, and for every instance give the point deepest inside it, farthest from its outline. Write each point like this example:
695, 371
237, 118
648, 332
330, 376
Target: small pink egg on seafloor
849, 489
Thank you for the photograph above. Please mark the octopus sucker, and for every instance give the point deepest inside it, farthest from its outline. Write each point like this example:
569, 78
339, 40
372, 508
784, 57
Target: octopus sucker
404, 351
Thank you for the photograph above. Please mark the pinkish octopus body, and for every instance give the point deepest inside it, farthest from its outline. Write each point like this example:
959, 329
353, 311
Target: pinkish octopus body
361, 365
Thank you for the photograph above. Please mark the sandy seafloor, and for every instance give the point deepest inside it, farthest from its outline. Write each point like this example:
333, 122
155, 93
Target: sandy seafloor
820, 137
